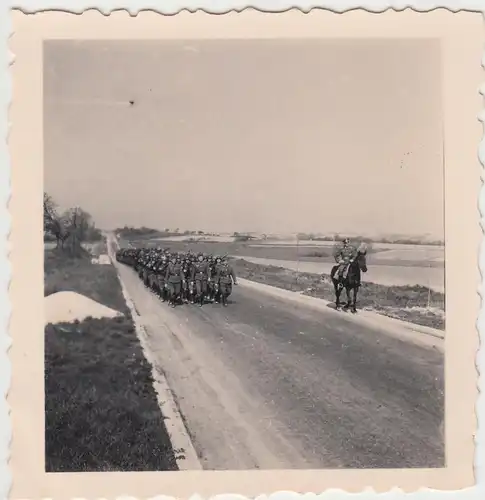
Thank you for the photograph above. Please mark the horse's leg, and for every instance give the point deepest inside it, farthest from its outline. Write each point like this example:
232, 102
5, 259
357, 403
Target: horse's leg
354, 302
338, 291
347, 291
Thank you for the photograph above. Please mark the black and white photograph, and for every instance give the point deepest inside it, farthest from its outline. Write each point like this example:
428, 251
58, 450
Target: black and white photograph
243, 254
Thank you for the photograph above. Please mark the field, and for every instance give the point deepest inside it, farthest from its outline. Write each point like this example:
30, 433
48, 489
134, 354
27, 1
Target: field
412, 255
101, 411
410, 289
389, 266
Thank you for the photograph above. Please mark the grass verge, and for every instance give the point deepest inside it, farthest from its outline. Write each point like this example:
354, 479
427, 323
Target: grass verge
408, 303
98, 282
101, 411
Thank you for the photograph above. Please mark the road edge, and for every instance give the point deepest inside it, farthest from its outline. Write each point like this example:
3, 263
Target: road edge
396, 327
185, 455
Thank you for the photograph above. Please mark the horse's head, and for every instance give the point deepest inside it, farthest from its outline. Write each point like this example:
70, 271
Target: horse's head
361, 257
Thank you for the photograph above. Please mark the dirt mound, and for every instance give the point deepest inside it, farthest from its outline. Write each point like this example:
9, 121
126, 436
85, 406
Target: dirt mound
67, 307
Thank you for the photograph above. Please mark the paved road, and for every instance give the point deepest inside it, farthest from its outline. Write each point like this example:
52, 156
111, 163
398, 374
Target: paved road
266, 383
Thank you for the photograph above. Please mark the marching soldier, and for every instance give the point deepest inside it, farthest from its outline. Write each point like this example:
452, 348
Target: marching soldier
174, 278
199, 277
214, 280
191, 284
162, 272
186, 295
211, 282
225, 277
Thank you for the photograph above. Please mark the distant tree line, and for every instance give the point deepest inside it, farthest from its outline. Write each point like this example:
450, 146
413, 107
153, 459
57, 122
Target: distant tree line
128, 231
148, 232
239, 237
70, 228
366, 239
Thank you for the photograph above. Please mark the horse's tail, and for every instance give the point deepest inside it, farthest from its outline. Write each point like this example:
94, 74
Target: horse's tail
333, 272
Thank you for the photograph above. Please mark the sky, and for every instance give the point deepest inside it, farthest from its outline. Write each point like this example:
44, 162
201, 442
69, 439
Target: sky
247, 135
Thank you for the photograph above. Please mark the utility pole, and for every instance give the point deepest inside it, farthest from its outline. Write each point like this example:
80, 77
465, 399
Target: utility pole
297, 258
429, 286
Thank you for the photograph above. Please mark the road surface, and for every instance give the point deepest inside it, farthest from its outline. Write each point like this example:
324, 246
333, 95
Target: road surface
266, 383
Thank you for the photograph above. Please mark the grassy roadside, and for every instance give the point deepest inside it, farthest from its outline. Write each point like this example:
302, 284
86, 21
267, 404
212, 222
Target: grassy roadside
408, 303
101, 411
98, 282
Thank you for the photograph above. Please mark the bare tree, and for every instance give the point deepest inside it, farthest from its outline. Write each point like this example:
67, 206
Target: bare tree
71, 228
54, 224
78, 223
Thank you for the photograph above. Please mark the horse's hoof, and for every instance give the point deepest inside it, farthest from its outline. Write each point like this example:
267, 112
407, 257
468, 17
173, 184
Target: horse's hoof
354, 311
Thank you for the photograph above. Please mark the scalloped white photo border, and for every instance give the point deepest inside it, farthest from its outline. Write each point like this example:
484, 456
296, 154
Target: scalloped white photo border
171, 7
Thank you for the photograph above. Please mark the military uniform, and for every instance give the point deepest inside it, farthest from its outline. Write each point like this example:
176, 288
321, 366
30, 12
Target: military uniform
343, 255
225, 277
191, 283
174, 277
185, 283
212, 284
185, 274
162, 283
200, 276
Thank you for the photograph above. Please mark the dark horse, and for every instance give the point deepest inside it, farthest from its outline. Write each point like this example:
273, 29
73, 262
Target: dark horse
351, 282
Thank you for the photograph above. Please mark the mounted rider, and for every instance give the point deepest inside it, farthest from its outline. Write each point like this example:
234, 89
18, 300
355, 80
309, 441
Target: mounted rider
344, 255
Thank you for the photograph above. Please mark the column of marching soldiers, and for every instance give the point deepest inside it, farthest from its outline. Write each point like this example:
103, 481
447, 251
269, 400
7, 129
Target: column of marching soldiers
181, 277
